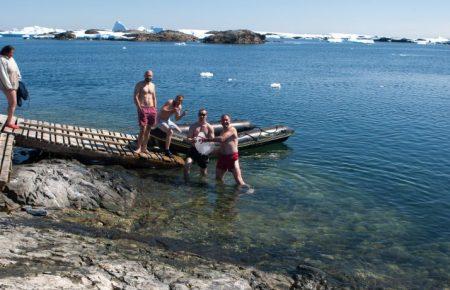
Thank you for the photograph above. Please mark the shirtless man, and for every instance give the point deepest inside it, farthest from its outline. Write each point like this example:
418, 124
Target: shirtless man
164, 122
145, 100
202, 160
228, 156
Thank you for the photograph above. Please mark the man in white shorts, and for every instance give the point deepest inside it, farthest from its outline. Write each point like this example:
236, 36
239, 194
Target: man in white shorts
165, 124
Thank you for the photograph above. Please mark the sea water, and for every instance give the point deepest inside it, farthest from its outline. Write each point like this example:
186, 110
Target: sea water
361, 191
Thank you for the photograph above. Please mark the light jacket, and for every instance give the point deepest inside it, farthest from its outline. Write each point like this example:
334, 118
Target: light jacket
9, 73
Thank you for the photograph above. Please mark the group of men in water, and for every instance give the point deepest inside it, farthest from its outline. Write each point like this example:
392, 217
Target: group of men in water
201, 131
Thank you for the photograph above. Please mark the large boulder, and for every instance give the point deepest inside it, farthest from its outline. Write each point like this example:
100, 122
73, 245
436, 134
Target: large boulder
166, 35
242, 36
65, 35
58, 184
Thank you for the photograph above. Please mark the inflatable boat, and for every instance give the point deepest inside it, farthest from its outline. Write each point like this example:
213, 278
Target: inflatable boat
249, 136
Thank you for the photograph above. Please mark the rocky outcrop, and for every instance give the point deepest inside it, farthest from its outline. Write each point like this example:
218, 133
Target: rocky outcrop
93, 31
235, 37
166, 35
42, 254
65, 35
57, 184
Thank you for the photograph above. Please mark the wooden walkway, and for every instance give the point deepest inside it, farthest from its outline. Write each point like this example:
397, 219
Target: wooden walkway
6, 152
70, 140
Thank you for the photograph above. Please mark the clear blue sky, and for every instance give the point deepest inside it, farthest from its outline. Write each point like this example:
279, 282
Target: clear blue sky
410, 18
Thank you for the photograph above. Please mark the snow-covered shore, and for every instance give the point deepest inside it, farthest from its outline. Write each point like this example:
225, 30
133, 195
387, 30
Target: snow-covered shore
119, 31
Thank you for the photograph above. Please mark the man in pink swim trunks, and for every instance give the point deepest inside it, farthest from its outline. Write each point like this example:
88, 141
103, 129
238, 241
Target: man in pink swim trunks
145, 100
228, 156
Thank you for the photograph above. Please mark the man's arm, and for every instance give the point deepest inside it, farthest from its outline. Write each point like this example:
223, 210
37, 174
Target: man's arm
4, 77
136, 97
178, 114
190, 135
225, 137
154, 97
210, 131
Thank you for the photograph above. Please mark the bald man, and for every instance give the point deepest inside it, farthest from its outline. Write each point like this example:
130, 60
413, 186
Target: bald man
145, 101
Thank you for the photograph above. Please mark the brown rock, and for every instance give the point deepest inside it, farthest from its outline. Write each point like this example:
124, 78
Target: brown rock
242, 36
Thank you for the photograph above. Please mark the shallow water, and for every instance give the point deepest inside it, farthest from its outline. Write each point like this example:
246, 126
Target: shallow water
362, 190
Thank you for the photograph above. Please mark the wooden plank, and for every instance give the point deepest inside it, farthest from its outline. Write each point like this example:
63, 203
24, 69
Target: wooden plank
100, 144
45, 133
2, 121
34, 132
71, 128
61, 139
74, 137
7, 159
19, 122
7, 129
39, 130
23, 131
124, 147
84, 142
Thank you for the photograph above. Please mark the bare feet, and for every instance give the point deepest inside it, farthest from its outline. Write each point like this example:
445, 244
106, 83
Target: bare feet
137, 151
12, 126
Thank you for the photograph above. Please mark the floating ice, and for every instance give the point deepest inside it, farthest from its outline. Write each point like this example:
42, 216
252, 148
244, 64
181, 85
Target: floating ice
275, 85
124, 47
230, 79
206, 74
180, 43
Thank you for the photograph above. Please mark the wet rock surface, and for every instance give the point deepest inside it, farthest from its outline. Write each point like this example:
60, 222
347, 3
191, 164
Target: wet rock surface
65, 35
85, 241
59, 183
242, 36
38, 254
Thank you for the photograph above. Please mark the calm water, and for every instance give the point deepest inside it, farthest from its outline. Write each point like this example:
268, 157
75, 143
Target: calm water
362, 190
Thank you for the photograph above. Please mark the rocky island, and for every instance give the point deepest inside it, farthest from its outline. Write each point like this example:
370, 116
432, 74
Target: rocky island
242, 36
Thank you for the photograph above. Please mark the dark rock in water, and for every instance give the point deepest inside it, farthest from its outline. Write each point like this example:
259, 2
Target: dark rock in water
65, 35
166, 35
307, 277
402, 40
383, 39
57, 184
93, 31
235, 37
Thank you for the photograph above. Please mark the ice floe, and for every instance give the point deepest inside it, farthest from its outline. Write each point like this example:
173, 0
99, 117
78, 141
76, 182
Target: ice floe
180, 43
275, 85
206, 74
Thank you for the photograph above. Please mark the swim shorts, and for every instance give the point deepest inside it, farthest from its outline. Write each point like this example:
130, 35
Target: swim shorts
169, 124
200, 159
226, 162
147, 116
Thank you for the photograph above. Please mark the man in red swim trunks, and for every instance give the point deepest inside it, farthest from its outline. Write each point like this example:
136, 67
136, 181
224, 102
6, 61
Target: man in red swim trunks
228, 156
145, 100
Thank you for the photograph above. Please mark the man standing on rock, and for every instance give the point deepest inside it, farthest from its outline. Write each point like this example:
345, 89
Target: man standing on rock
204, 129
228, 156
145, 101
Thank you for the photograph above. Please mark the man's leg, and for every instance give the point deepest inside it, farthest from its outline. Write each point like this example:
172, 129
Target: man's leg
187, 168
140, 139
219, 174
11, 95
237, 173
145, 138
204, 171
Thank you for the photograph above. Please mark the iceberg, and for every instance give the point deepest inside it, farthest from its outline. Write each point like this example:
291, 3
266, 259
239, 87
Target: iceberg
206, 74
119, 27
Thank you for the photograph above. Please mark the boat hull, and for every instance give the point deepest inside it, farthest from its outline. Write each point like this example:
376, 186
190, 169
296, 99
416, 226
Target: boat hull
248, 139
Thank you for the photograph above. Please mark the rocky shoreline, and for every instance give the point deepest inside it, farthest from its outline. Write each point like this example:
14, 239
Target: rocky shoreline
52, 252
